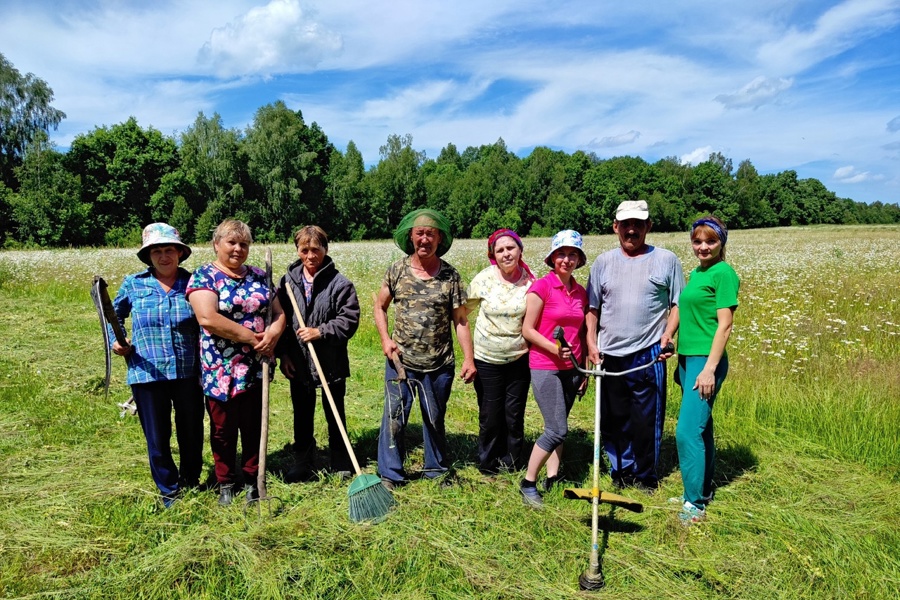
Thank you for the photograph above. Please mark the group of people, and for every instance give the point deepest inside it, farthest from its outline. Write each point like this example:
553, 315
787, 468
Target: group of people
203, 338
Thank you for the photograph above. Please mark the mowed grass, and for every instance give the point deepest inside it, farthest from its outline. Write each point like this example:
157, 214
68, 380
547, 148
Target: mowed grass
807, 506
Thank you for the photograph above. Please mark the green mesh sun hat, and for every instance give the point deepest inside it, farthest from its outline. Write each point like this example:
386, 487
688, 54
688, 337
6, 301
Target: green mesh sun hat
423, 217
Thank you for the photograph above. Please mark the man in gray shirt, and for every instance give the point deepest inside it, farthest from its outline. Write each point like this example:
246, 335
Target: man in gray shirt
633, 296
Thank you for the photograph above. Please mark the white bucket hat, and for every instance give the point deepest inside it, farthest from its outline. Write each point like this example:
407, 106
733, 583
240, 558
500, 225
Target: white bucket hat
161, 234
566, 238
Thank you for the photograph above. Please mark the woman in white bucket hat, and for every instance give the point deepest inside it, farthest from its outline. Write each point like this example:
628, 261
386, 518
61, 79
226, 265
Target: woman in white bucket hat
555, 300
163, 359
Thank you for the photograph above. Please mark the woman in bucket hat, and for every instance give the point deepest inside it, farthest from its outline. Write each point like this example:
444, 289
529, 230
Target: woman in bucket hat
555, 300
163, 360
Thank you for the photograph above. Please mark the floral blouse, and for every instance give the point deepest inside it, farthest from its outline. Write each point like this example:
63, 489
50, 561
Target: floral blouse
228, 368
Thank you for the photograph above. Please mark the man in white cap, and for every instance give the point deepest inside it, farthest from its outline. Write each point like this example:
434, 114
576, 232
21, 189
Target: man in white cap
633, 296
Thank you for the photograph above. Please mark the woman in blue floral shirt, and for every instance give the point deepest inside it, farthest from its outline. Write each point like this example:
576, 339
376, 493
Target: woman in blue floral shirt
230, 300
162, 359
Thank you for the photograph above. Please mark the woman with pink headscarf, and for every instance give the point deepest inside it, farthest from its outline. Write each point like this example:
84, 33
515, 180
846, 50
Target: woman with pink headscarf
501, 353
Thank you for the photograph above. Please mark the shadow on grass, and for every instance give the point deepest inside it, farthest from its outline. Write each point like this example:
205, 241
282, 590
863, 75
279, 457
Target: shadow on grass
731, 461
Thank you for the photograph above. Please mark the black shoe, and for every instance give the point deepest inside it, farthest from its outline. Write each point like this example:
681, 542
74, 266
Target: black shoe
344, 474
549, 482
226, 494
647, 488
623, 481
251, 491
300, 474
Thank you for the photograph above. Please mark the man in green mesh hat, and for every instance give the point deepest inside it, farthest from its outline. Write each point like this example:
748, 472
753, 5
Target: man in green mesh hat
429, 300
423, 217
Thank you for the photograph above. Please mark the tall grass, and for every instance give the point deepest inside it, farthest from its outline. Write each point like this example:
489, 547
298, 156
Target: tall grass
807, 504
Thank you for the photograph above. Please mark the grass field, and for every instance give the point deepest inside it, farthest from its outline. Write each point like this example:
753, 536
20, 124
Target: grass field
808, 467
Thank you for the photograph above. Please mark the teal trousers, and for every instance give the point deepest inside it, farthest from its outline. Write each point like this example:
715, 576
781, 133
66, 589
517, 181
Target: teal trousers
694, 432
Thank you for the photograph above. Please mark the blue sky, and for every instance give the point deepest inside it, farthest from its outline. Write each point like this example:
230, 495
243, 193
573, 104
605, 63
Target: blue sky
812, 86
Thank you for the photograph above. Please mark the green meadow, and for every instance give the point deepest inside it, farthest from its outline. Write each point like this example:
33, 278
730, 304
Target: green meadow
807, 431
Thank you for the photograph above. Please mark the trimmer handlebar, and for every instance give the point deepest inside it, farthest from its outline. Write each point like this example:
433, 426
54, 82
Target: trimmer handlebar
560, 337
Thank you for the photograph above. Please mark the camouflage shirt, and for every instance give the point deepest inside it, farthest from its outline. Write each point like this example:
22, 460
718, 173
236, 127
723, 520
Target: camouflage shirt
423, 314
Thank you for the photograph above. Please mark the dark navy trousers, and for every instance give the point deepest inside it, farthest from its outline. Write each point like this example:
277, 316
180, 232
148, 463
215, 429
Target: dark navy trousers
155, 402
632, 413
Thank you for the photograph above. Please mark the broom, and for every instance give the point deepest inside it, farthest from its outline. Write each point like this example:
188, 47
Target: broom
369, 500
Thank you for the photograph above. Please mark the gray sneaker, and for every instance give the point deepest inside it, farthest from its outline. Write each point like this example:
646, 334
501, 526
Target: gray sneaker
531, 496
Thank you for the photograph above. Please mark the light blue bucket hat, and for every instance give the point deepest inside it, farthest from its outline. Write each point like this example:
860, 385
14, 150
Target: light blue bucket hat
566, 238
161, 234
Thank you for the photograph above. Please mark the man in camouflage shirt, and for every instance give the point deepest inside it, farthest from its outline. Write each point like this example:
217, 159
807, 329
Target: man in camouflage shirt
429, 299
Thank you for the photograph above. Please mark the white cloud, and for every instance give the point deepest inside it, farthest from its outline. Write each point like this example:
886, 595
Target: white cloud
697, 156
623, 139
762, 90
841, 27
894, 125
272, 39
850, 174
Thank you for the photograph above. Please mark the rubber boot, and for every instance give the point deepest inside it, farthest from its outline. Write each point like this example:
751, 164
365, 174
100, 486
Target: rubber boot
226, 494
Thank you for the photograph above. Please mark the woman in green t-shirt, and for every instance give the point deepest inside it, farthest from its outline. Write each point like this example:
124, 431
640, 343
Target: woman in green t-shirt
706, 311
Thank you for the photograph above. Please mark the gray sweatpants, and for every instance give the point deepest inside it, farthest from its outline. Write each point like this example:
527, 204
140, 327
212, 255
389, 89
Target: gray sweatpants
554, 392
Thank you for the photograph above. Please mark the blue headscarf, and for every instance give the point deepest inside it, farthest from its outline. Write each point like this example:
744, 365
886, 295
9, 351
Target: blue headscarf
721, 233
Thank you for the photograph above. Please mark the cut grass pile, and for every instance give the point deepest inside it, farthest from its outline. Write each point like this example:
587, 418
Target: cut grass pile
807, 506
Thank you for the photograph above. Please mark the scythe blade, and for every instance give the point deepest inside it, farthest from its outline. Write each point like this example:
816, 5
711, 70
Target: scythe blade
100, 296
98, 304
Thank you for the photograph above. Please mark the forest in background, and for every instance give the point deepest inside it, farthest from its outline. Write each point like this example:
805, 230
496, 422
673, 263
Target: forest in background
280, 173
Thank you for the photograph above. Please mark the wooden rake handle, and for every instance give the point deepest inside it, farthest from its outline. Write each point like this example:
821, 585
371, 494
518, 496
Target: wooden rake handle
315, 357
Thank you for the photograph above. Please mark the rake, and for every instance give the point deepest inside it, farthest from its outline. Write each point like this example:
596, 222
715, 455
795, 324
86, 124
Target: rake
369, 500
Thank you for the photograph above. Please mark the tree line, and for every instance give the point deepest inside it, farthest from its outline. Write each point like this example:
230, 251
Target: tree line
280, 173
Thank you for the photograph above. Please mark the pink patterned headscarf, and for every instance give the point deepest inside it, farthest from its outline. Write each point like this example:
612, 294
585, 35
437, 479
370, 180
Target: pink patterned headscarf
508, 233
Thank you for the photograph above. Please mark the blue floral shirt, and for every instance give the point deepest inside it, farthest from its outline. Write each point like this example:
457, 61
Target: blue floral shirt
164, 331
228, 368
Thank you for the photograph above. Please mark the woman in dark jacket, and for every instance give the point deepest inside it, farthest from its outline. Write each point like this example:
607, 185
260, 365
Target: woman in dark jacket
330, 310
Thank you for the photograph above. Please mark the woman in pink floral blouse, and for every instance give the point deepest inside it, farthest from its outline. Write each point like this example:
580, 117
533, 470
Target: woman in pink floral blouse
230, 300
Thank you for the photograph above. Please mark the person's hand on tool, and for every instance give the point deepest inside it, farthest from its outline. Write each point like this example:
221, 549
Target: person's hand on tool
667, 347
265, 343
123, 350
308, 334
706, 383
563, 351
390, 348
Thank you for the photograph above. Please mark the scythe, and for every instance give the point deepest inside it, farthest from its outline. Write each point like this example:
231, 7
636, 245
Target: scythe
108, 318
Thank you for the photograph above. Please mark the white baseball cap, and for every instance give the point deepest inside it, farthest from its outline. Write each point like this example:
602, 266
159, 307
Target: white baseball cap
633, 209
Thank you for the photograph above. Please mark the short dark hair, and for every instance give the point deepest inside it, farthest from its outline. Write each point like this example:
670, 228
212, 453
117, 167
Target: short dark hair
309, 233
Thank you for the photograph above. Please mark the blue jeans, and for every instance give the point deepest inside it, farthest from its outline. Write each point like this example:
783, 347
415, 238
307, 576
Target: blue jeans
155, 402
433, 390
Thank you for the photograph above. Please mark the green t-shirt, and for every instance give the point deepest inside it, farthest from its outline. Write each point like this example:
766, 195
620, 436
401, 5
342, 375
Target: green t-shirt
708, 290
